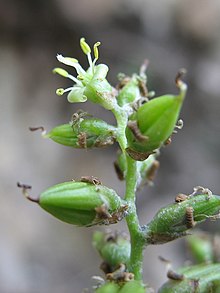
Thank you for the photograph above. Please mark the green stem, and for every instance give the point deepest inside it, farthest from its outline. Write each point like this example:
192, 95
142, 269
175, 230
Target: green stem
136, 236
122, 119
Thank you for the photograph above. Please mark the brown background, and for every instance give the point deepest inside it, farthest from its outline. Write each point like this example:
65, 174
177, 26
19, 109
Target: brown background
37, 252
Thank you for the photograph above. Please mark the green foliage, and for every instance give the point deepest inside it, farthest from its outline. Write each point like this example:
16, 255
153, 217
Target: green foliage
144, 124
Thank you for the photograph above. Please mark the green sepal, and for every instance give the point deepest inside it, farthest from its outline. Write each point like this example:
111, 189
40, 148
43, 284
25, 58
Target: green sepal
174, 220
154, 123
201, 247
88, 133
198, 278
113, 248
130, 92
82, 204
109, 287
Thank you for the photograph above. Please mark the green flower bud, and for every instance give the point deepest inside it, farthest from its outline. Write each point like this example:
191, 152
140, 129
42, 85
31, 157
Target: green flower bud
84, 133
154, 122
133, 287
201, 247
109, 287
130, 92
113, 248
81, 203
198, 278
174, 220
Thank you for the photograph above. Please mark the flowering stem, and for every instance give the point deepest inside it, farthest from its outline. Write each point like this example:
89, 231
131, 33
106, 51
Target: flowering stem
122, 119
136, 236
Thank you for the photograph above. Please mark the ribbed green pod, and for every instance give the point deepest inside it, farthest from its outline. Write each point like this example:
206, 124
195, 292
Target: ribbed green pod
114, 249
82, 204
87, 133
109, 287
174, 220
201, 247
153, 123
133, 287
198, 278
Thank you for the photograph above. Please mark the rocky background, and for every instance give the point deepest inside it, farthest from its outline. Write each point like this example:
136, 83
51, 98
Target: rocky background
37, 252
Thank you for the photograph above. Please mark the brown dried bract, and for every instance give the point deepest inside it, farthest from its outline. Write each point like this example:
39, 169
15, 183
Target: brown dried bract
168, 141
175, 276
181, 197
133, 126
138, 156
37, 128
179, 76
102, 142
143, 88
104, 217
120, 275
102, 212
25, 189
91, 179
153, 170
190, 223
123, 82
82, 140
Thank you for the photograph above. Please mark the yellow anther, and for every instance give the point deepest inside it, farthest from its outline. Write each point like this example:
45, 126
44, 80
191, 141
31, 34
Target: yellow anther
96, 51
60, 91
61, 72
84, 46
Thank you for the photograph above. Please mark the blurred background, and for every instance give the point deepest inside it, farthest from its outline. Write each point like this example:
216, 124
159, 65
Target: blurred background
37, 252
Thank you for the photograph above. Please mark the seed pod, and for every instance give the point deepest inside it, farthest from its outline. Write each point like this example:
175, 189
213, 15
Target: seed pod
153, 123
133, 287
81, 203
109, 287
198, 278
88, 133
113, 248
174, 220
201, 247
130, 92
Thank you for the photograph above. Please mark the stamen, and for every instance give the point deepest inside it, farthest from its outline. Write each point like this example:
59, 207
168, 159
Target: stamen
86, 50
67, 60
71, 62
96, 51
61, 72
73, 78
84, 46
61, 91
